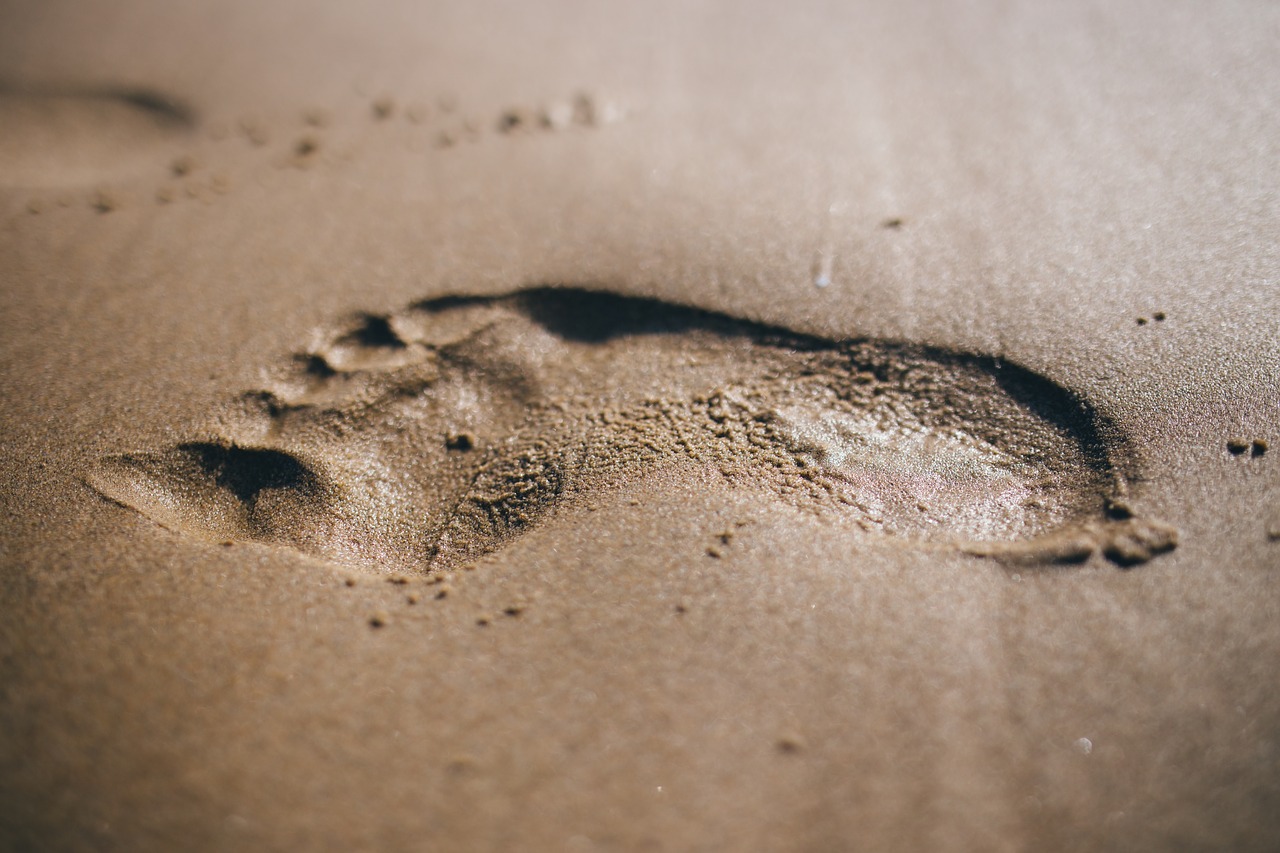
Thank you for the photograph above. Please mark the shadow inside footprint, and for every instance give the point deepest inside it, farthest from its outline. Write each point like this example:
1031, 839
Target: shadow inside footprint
229, 491
431, 436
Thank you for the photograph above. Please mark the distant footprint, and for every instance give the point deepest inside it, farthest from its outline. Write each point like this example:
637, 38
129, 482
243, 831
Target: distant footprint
74, 137
429, 437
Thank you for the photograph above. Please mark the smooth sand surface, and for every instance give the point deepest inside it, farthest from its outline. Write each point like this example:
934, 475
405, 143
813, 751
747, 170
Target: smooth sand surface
342, 511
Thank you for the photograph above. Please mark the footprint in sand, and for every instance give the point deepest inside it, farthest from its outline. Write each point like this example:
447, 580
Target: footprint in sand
74, 137
429, 437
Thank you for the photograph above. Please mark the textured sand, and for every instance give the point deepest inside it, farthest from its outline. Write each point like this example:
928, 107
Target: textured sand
295, 554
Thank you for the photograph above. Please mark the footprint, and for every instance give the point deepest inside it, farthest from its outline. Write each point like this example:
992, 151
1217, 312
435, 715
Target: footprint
429, 437
74, 137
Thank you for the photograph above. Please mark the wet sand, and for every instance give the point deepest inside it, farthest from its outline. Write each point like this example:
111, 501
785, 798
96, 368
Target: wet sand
639, 428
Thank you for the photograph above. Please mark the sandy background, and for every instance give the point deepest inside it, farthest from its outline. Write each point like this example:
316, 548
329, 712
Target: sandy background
1059, 170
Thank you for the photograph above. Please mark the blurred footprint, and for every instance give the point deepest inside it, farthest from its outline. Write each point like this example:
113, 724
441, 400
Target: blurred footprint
56, 137
431, 436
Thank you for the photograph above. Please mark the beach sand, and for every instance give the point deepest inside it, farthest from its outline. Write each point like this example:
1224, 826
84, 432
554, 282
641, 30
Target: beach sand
647, 427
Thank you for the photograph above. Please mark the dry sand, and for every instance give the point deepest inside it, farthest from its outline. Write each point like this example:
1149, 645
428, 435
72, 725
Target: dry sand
659, 427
